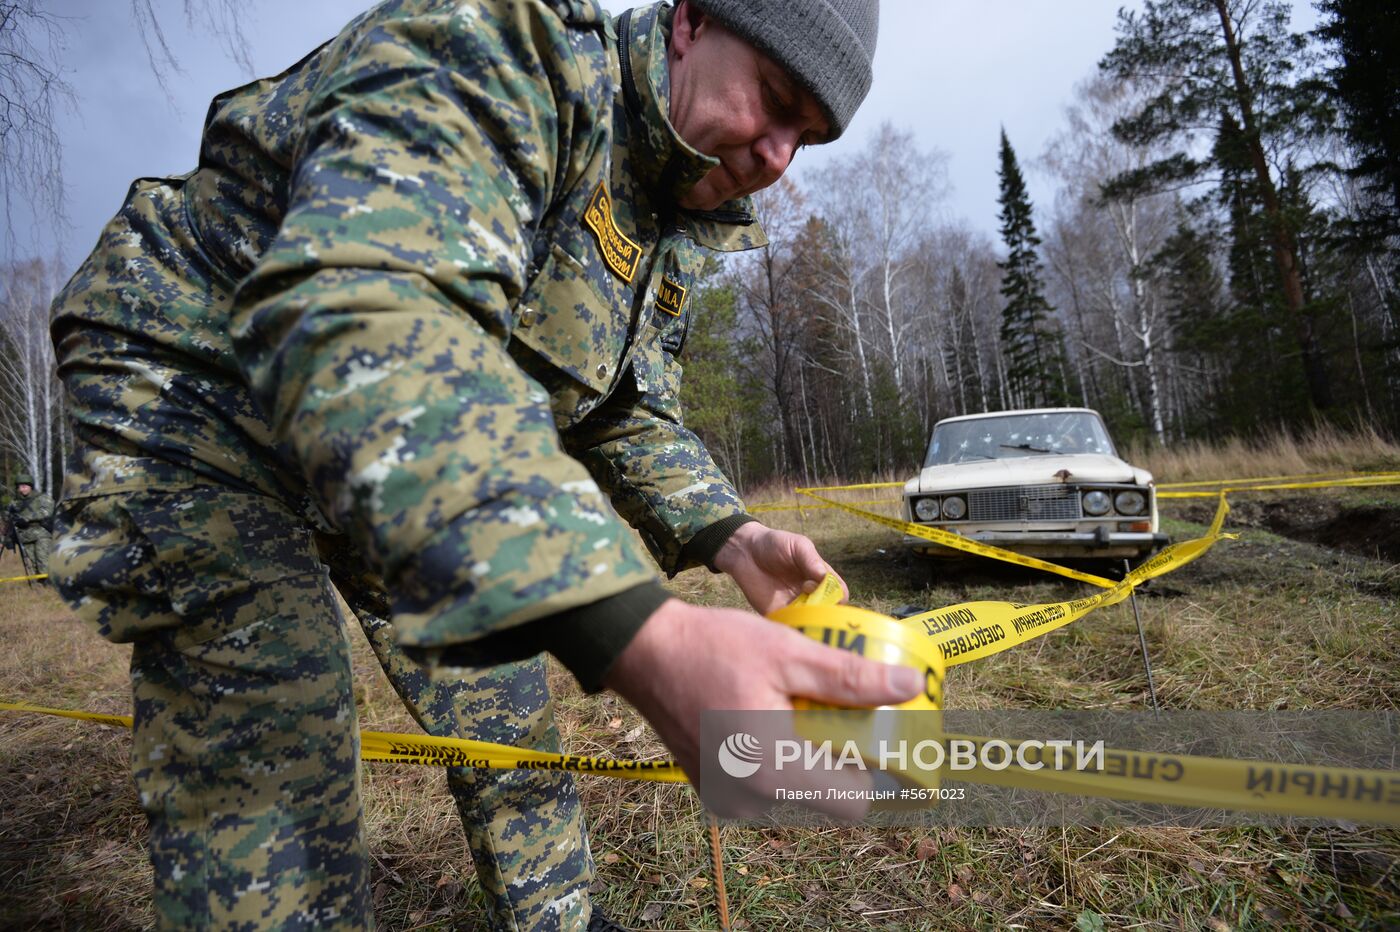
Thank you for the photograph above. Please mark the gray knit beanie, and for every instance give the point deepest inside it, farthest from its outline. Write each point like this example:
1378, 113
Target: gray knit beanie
827, 45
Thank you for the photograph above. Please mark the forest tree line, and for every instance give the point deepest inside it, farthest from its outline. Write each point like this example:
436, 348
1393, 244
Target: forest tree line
1221, 258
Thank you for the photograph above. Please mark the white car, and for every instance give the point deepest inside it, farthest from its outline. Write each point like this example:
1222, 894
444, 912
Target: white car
1044, 482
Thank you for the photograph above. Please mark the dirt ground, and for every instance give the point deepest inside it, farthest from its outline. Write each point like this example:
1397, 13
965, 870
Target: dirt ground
1348, 523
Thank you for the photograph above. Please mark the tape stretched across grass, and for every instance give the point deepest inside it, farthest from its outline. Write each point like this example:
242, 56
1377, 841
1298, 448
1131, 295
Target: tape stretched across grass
24, 578
958, 634
1203, 488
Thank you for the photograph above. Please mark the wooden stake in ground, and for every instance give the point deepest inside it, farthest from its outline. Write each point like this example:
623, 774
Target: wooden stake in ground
721, 897
1142, 639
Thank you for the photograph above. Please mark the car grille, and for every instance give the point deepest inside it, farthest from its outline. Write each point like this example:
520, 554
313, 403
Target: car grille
1026, 503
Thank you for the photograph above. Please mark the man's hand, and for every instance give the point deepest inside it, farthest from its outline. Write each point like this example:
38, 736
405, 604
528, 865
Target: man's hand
686, 660
772, 567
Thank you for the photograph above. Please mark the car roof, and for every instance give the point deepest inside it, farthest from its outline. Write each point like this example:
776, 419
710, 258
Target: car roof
991, 414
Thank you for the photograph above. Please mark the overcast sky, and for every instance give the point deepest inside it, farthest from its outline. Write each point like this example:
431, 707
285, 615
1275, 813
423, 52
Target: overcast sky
953, 71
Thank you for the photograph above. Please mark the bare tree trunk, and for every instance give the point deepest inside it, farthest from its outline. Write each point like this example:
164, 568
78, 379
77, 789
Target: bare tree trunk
28, 391
1285, 248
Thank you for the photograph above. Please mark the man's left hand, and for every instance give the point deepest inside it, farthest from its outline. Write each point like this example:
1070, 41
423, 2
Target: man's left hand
772, 567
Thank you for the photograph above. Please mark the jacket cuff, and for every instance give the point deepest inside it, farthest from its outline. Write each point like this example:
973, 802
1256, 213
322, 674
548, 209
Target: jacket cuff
590, 638
587, 639
702, 548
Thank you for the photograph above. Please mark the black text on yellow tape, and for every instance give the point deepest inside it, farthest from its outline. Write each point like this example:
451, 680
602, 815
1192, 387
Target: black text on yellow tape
1356, 794
447, 752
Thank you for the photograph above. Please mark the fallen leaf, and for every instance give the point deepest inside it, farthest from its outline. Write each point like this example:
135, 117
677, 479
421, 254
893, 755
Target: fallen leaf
614, 724
955, 893
964, 874
634, 734
1089, 921
926, 849
653, 912
980, 898
741, 869
858, 906
1196, 866
699, 883
1217, 925
1342, 911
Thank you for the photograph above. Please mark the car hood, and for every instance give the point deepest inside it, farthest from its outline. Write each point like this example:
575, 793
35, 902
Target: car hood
1081, 468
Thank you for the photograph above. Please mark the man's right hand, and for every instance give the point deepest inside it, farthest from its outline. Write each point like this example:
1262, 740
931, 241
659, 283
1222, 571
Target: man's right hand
686, 660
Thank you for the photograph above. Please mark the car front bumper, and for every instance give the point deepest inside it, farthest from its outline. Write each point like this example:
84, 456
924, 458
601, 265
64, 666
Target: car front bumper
1100, 542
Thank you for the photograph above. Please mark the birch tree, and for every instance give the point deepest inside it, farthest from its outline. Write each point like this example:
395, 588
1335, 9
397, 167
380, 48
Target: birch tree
31, 427
1136, 221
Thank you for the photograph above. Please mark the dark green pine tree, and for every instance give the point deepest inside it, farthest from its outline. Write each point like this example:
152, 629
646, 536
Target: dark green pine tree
1032, 350
1365, 37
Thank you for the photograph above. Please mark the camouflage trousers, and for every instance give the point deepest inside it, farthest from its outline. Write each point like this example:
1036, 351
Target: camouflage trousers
246, 748
36, 551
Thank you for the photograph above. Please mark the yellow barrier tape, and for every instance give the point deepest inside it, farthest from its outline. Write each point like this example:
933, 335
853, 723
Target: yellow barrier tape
974, 630
959, 634
958, 542
780, 506
873, 636
828, 592
447, 752
862, 485
1356, 482
1359, 794
23, 578
1151, 777
1306, 477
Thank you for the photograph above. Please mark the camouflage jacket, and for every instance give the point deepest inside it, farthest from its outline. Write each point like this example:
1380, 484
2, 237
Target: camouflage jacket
430, 279
32, 515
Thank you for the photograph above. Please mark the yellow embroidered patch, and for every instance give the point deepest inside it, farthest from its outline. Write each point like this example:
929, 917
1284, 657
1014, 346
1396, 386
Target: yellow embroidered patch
670, 297
619, 252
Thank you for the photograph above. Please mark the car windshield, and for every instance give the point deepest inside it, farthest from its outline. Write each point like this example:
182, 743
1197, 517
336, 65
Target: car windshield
1005, 436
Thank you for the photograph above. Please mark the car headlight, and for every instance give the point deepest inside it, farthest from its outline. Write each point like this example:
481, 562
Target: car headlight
954, 508
1130, 502
926, 509
1096, 503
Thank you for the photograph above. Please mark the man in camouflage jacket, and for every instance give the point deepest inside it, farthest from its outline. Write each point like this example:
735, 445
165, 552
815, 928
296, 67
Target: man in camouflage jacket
415, 318
32, 515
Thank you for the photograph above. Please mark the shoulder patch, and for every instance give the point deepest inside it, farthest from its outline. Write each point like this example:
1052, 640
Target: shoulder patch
620, 253
670, 296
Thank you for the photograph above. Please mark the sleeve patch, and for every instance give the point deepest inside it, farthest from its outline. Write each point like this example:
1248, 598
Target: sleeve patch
670, 297
620, 253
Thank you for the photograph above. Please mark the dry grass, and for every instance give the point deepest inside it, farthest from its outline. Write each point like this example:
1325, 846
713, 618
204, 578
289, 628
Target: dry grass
1264, 622
1323, 449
